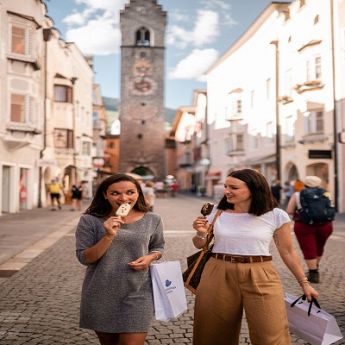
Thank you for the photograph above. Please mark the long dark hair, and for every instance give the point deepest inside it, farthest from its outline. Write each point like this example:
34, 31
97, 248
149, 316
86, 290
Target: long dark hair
262, 198
100, 207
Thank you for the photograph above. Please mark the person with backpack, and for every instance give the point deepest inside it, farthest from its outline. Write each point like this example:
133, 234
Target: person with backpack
313, 213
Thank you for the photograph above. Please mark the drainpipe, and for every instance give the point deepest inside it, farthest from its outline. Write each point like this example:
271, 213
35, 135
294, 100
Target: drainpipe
46, 38
335, 126
75, 174
277, 117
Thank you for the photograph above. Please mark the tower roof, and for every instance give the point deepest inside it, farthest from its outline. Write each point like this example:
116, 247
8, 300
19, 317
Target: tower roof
135, 4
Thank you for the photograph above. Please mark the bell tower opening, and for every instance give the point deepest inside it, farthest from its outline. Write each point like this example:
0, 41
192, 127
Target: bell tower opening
143, 37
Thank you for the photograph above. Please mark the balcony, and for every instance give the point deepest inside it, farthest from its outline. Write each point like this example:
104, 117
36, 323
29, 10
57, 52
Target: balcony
236, 151
309, 85
19, 135
286, 99
234, 117
317, 137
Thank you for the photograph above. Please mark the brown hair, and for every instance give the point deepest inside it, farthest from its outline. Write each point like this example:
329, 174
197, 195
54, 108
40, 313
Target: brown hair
100, 207
262, 198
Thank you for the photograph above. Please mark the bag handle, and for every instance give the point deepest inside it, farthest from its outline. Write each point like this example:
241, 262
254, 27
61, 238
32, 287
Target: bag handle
303, 297
210, 230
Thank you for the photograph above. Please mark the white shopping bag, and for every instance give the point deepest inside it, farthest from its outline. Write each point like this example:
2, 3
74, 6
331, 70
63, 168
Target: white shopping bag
169, 295
319, 328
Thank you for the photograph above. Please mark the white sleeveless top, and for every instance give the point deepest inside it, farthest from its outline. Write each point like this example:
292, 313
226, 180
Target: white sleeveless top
246, 234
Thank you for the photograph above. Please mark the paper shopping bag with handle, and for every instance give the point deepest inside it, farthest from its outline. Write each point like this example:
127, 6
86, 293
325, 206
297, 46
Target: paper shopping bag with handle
308, 321
169, 295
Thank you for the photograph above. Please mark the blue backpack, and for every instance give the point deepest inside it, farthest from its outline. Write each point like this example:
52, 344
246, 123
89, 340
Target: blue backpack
316, 206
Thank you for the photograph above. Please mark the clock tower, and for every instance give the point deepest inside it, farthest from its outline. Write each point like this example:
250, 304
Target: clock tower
142, 136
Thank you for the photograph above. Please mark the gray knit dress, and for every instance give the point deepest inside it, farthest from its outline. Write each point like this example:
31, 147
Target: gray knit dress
115, 298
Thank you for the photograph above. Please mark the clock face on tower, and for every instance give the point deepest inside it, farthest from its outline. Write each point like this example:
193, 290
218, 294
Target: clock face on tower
141, 83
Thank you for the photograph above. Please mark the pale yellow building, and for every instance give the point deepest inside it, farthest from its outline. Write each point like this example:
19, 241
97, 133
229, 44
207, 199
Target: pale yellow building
21, 102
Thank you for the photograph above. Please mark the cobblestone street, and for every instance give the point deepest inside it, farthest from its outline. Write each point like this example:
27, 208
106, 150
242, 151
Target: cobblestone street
40, 303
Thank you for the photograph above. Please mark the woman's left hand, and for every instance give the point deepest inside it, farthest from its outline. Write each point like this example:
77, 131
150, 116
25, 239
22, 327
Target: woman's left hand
141, 263
309, 291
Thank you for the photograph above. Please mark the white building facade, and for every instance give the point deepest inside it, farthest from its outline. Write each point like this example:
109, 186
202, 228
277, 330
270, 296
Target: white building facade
275, 110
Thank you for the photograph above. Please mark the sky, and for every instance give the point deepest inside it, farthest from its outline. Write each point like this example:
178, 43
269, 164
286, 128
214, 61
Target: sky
197, 34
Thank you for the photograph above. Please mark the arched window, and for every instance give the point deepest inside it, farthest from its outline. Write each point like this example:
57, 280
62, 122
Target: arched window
143, 37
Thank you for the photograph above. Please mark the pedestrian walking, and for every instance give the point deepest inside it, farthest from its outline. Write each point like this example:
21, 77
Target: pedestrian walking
276, 190
118, 248
55, 190
288, 191
240, 274
312, 234
149, 194
77, 195
298, 185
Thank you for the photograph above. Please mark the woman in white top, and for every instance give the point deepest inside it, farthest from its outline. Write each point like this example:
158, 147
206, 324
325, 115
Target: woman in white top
240, 275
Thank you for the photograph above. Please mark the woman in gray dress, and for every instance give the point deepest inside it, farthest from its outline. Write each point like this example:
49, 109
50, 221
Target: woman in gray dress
116, 300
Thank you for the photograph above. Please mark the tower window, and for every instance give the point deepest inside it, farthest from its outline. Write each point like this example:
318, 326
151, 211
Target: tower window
143, 37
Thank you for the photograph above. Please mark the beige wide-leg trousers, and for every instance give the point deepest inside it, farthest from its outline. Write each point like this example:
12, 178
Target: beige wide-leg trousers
225, 290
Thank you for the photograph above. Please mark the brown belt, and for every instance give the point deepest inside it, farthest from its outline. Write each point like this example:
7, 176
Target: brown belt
244, 259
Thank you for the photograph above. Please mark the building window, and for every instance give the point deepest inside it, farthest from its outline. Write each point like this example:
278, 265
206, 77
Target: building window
313, 68
317, 67
235, 142
314, 122
256, 140
289, 129
63, 138
62, 93
18, 108
268, 88
143, 37
238, 106
270, 131
20, 34
252, 98
23, 109
18, 45
86, 148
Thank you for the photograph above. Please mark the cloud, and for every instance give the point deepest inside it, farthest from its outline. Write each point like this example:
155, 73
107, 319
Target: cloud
217, 3
224, 10
97, 37
194, 65
206, 29
105, 5
178, 16
74, 19
95, 28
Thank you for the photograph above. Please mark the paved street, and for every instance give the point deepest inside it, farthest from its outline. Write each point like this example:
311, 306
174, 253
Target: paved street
40, 303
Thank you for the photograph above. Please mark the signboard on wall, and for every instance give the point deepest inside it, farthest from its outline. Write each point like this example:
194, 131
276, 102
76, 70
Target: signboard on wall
320, 154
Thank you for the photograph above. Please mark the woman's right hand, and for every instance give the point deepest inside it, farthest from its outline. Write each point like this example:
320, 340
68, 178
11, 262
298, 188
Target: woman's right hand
309, 291
112, 226
200, 224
